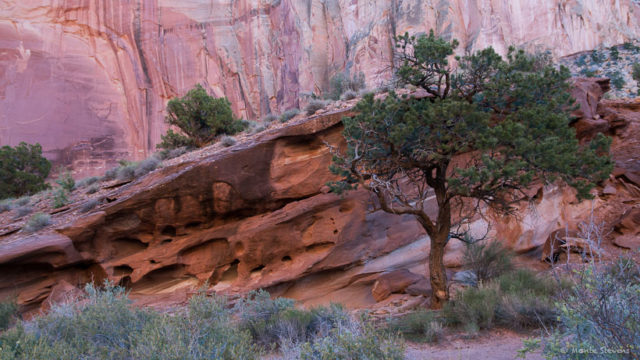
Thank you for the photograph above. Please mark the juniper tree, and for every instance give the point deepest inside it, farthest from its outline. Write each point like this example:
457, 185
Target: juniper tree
201, 118
23, 170
489, 129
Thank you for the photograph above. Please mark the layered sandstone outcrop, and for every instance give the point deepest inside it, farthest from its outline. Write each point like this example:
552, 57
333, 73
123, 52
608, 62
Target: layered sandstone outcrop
89, 80
258, 215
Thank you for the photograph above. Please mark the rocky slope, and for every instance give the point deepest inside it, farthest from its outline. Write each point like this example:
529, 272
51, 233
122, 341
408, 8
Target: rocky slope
258, 214
89, 79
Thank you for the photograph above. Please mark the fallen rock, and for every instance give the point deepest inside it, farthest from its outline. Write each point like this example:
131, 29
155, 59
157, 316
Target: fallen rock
393, 282
629, 227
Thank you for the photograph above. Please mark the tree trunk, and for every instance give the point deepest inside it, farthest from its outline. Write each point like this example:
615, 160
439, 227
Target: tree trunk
437, 273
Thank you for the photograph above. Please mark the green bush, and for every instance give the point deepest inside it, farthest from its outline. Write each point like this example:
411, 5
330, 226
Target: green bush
201, 118
419, 326
87, 181
289, 114
352, 341
23, 201
349, 95
23, 211
614, 53
8, 312
517, 300
23, 170
37, 222
269, 118
617, 80
314, 106
93, 189
89, 205
476, 306
487, 260
65, 180
227, 141
343, 82
146, 166
635, 72
60, 197
600, 311
6, 205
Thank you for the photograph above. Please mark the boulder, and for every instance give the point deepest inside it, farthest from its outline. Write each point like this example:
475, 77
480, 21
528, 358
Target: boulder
393, 282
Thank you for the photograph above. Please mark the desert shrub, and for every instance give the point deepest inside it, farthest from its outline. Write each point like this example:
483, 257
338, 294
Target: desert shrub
93, 189
82, 183
23, 201
581, 60
65, 180
635, 72
60, 197
127, 172
227, 141
617, 80
276, 321
517, 300
201, 118
476, 306
614, 53
146, 166
89, 205
259, 129
167, 154
342, 82
314, 106
349, 95
8, 312
420, 326
23, 211
354, 340
289, 114
23, 170
111, 174
37, 222
259, 315
600, 311
6, 205
204, 331
597, 56
487, 260
269, 118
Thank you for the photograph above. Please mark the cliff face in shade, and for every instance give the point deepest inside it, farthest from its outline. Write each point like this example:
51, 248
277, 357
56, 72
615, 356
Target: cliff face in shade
89, 79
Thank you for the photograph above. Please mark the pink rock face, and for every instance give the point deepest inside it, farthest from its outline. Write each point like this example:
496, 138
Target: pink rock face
89, 80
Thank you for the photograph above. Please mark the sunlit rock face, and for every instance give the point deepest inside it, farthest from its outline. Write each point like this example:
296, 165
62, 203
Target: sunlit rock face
89, 80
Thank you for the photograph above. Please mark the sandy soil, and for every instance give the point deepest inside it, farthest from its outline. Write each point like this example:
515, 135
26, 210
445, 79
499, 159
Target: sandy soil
496, 345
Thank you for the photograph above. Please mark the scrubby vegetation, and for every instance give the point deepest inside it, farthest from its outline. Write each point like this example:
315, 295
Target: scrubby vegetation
23, 170
487, 260
344, 82
615, 62
8, 312
103, 325
37, 222
201, 118
598, 313
289, 114
315, 105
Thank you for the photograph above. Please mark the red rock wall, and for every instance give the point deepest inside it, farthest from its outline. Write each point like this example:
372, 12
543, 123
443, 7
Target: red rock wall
89, 79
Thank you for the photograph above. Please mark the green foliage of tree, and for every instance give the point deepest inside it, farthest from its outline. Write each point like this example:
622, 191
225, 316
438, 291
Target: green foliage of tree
23, 170
489, 129
201, 118
635, 72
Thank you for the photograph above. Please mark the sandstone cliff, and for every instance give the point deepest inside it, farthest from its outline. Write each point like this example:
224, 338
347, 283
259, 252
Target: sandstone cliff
258, 214
89, 79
